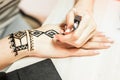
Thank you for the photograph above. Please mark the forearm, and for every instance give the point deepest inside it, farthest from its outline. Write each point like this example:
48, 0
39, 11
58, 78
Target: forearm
85, 4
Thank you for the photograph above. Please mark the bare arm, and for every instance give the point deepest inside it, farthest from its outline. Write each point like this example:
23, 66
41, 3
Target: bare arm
43, 45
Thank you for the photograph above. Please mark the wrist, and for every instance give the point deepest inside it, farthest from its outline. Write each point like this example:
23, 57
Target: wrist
42, 38
7, 55
21, 55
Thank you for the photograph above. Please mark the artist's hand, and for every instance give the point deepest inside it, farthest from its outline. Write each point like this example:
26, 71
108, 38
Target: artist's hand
86, 28
98, 41
82, 34
48, 48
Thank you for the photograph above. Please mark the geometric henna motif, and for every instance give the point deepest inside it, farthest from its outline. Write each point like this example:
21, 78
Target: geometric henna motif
51, 33
36, 33
21, 34
13, 45
22, 47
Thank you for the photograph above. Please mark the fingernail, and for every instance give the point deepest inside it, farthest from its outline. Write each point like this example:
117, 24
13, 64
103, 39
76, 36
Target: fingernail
65, 27
103, 34
109, 39
61, 32
75, 25
97, 52
108, 36
67, 30
107, 44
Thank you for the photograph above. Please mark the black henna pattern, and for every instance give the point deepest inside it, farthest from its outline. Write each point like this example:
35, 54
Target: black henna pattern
22, 47
31, 39
21, 34
36, 33
51, 33
13, 45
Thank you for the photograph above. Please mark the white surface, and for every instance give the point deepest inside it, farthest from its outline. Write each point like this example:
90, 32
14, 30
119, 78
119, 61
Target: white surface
105, 66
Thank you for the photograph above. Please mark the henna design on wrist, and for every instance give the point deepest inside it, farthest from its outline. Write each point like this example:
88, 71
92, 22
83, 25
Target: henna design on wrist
27, 35
18, 36
13, 45
49, 33
36, 33
22, 47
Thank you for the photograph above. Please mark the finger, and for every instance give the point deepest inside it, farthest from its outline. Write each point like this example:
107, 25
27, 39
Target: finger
86, 35
101, 39
99, 34
70, 19
63, 38
83, 52
62, 44
96, 45
68, 39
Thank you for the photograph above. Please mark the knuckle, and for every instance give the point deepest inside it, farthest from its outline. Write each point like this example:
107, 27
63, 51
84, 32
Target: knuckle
77, 45
100, 45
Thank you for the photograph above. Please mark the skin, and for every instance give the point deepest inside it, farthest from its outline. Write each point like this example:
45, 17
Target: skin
84, 8
61, 46
86, 28
45, 47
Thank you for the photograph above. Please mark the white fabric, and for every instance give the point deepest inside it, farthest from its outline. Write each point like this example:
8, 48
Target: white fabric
105, 66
